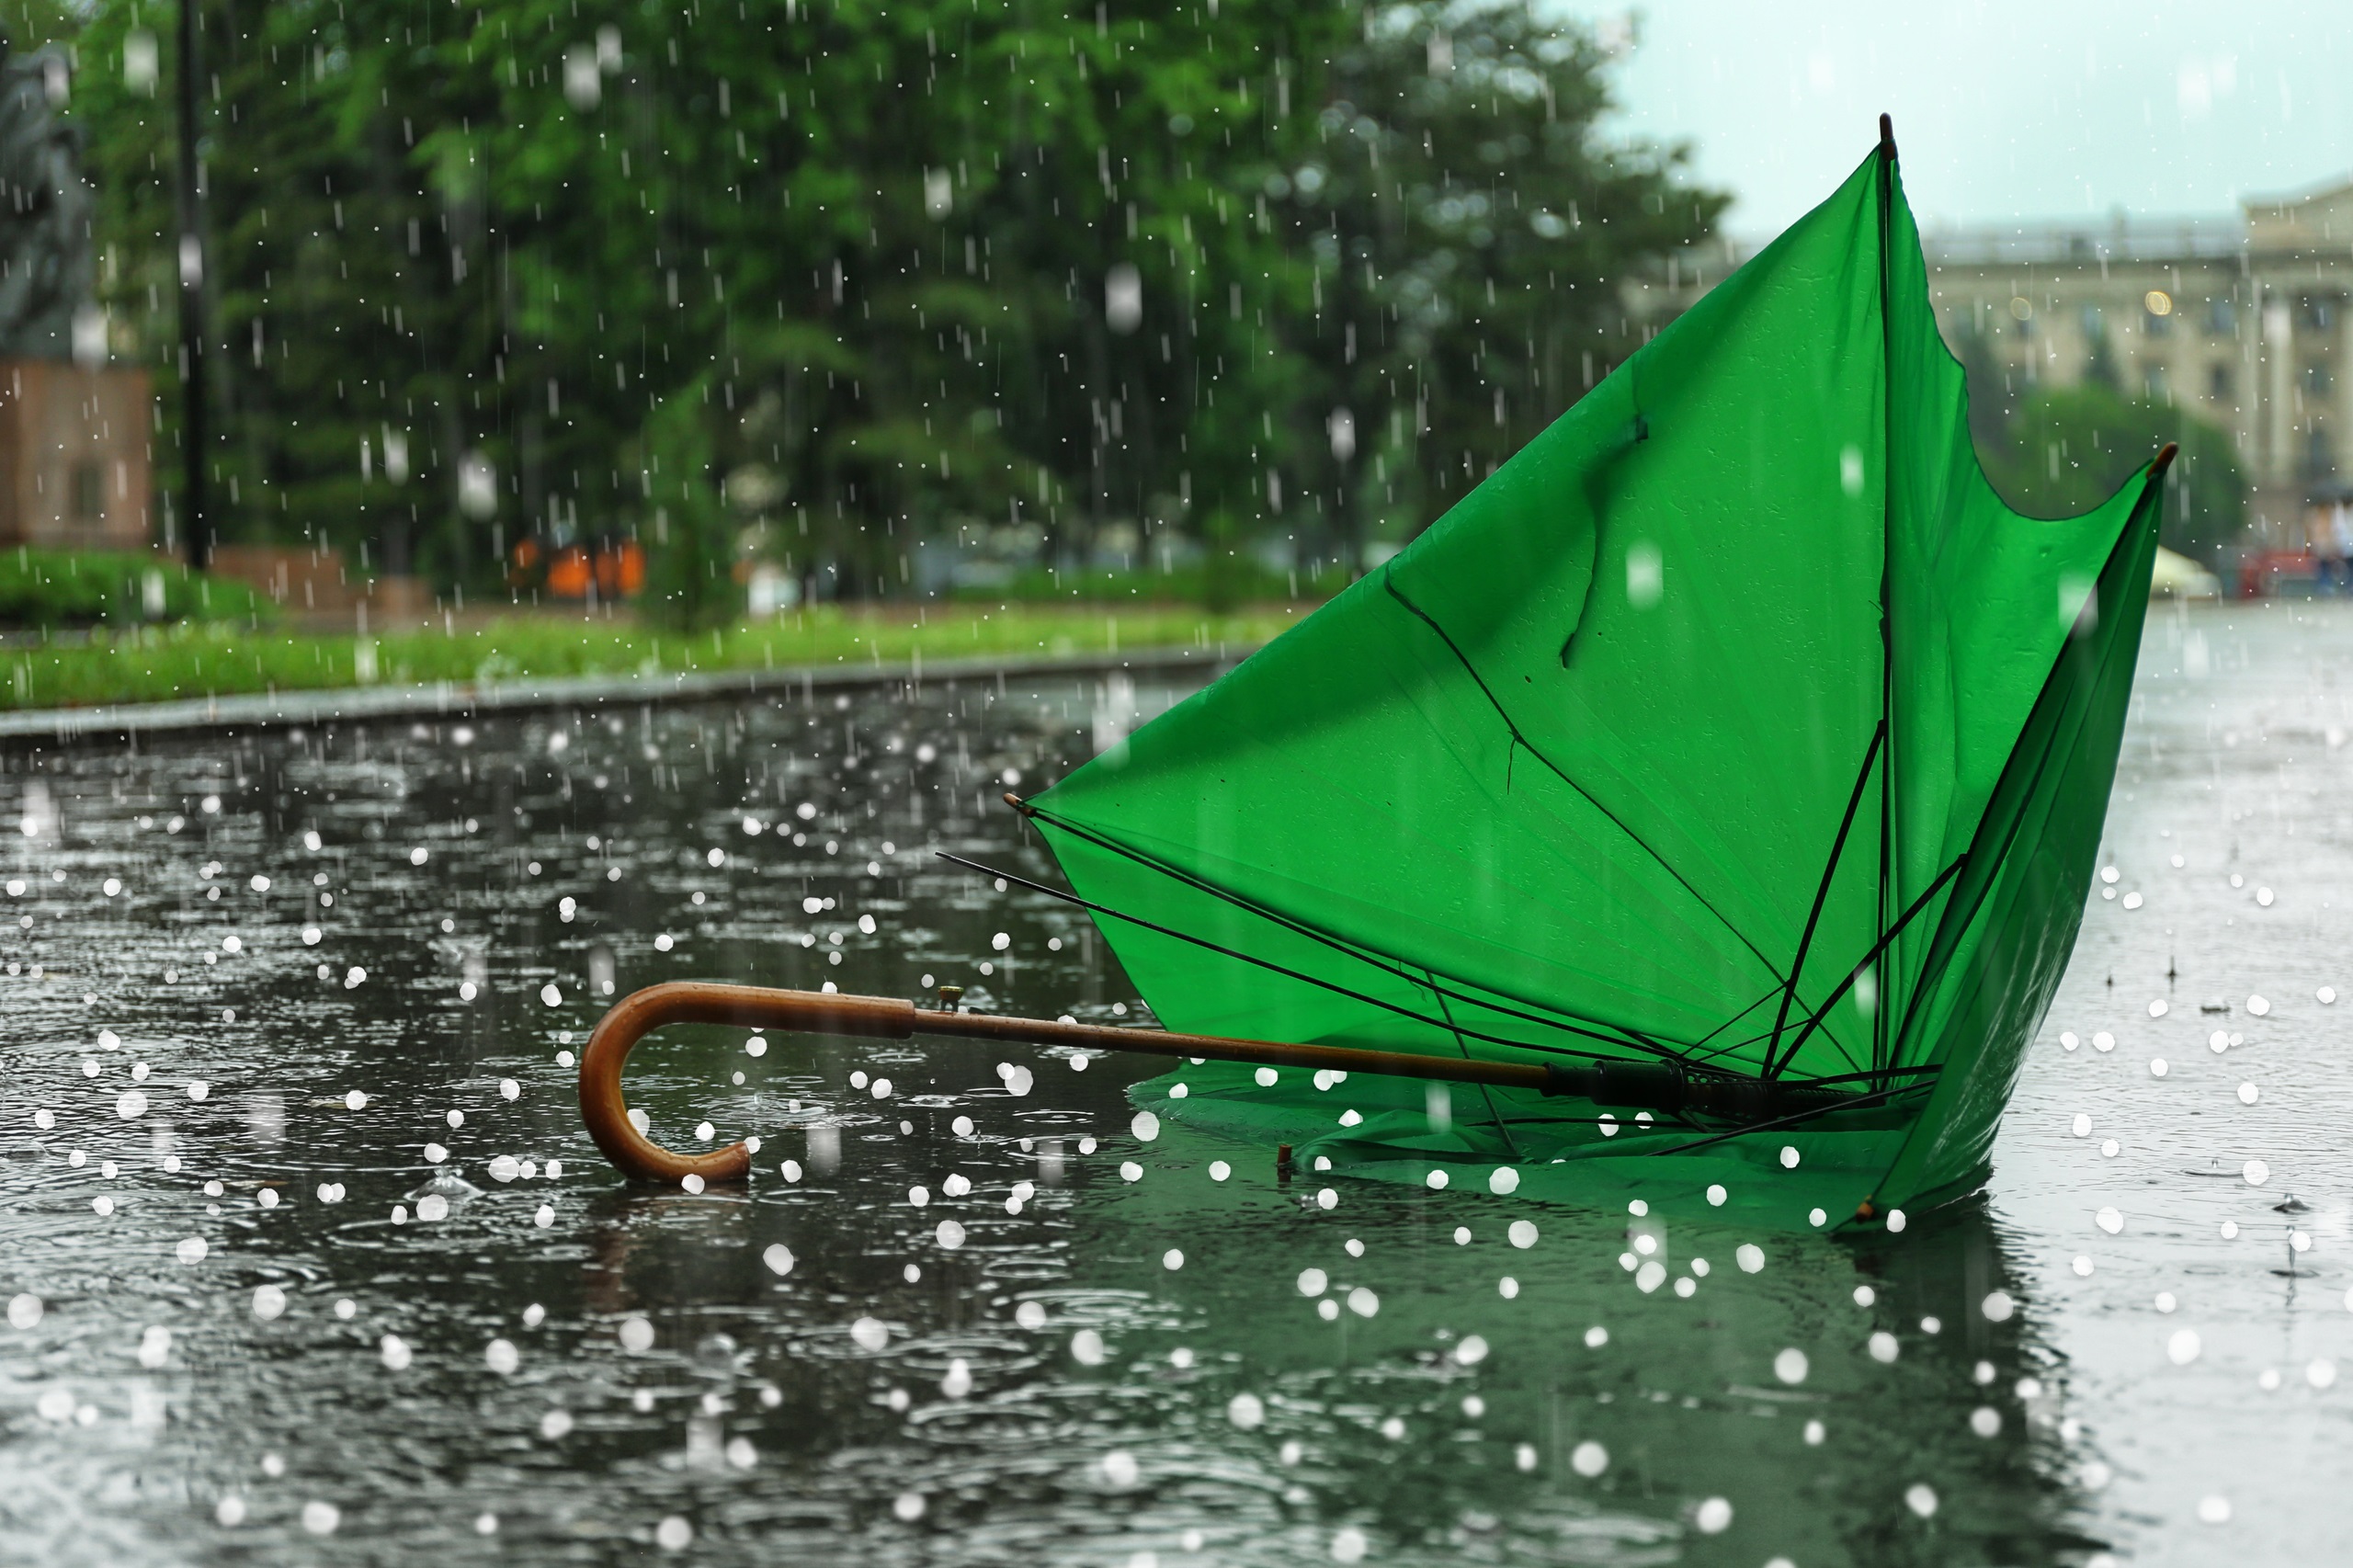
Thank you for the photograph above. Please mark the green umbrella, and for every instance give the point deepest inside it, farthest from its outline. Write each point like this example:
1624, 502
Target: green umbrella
1735, 732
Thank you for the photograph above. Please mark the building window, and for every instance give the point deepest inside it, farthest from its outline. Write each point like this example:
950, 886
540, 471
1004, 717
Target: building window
2316, 379
2221, 318
2217, 383
86, 494
2157, 385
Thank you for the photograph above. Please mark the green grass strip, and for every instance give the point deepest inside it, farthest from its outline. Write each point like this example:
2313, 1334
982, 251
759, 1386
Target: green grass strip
155, 665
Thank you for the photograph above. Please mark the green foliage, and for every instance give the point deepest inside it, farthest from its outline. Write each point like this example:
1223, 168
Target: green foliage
54, 588
859, 274
1240, 581
1471, 235
159, 662
690, 553
2066, 449
28, 24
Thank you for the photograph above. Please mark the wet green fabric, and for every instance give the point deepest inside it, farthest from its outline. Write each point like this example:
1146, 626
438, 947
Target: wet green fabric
1735, 719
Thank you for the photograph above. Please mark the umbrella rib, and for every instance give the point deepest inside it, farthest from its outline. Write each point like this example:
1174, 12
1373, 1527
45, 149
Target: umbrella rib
2042, 761
1744, 1040
1886, 171
1822, 893
1336, 989
1388, 581
1925, 1070
1386, 963
1438, 991
1872, 956
1859, 1102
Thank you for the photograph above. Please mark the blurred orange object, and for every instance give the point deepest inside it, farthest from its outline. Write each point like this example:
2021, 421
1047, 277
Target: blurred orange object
568, 573
524, 564
612, 568
621, 569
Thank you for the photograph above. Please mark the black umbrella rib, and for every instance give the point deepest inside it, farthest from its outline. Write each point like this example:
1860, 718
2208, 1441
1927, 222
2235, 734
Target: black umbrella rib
1386, 963
1774, 1070
1336, 989
1927, 1069
1822, 893
1699, 1057
1887, 872
1731, 1018
1690, 1055
1388, 581
1859, 1102
1927, 979
1463, 1046
2017, 824
1933, 974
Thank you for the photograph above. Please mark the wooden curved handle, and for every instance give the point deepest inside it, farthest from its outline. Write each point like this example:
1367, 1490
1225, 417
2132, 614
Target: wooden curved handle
606, 1110
1763, 1104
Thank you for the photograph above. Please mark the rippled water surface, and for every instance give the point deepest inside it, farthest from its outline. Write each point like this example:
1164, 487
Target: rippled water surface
312, 1262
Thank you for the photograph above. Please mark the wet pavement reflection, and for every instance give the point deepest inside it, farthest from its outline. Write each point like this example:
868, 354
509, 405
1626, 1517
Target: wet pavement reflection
310, 1261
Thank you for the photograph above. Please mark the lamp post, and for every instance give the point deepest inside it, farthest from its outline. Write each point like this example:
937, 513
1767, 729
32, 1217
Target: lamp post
198, 527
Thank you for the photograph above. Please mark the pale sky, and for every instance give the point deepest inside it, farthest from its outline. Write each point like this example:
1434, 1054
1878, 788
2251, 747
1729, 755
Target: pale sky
2004, 109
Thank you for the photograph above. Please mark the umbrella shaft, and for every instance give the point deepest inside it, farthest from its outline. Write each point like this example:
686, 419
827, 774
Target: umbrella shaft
1653, 1085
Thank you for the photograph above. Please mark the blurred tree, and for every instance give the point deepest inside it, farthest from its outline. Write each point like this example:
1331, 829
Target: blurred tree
2069, 449
28, 24
690, 543
1474, 236
1993, 398
837, 280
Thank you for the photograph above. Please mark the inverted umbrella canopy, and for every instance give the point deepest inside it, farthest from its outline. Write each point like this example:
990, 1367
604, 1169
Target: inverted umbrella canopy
1735, 723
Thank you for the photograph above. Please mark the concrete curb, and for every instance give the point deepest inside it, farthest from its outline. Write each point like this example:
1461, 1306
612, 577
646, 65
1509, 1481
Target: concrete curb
452, 698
